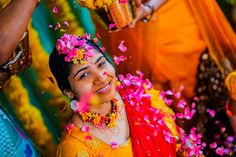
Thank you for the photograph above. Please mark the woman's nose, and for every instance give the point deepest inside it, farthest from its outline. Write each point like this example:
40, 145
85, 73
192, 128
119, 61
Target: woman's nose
100, 77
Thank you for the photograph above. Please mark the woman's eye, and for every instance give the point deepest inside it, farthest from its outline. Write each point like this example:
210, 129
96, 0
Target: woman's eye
84, 75
101, 64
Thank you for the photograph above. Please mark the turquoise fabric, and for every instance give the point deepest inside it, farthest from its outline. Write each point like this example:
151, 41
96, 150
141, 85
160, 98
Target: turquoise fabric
13, 142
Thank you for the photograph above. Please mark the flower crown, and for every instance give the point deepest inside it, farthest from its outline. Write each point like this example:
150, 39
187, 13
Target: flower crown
75, 48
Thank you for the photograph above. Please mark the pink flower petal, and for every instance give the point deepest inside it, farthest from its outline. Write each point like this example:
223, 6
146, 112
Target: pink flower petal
220, 151
112, 25
88, 137
211, 112
122, 47
85, 128
58, 25
66, 23
55, 10
119, 59
213, 145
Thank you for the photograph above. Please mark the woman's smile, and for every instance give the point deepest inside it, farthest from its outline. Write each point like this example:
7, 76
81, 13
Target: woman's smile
104, 89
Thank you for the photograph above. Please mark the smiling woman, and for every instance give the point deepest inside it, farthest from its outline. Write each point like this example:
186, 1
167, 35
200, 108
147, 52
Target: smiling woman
111, 117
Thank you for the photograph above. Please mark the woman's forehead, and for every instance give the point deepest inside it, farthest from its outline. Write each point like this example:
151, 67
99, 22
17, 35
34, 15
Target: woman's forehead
90, 60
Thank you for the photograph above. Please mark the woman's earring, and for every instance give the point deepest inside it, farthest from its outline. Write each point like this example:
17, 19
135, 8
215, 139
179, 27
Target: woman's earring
74, 105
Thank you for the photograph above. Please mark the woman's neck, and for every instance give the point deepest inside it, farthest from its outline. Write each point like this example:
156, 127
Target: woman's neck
104, 108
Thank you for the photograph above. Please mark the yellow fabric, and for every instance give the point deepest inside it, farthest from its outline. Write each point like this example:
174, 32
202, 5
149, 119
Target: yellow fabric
74, 144
167, 48
216, 31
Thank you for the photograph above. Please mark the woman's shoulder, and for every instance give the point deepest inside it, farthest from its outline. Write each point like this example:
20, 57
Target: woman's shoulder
72, 143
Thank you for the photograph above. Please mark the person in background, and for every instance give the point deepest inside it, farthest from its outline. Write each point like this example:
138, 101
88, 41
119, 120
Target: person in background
14, 57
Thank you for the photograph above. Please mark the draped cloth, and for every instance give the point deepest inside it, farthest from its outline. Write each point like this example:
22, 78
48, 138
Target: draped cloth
167, 48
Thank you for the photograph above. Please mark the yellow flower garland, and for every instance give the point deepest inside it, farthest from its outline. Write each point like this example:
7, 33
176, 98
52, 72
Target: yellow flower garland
39, 56
29, 115
65, 14
95, 4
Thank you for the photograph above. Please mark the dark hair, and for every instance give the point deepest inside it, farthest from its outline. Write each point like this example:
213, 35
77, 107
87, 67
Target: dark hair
61, 68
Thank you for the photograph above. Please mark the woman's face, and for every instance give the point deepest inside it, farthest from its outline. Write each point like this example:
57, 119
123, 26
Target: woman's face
96, 76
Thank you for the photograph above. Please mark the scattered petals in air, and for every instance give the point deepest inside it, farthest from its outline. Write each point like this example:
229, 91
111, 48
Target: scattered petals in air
50, 26
213, 145
182, 104
55, 10
58, 25
119, 59
220, 151
211, 112
112, 25
66, 23
122, 47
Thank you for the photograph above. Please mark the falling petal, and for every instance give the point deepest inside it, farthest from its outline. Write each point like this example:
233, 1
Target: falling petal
211, 112
66, 23
58, 25
122, 47
220, 151
111, 26
213, 145
55, 10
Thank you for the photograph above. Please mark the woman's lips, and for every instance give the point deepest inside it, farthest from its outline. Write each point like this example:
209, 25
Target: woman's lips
105, 89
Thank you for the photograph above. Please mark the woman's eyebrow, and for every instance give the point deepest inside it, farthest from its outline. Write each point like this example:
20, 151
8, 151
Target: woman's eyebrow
99, 59
80, 71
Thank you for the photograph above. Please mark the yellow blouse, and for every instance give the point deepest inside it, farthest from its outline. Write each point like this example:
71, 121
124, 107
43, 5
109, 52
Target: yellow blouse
75, 144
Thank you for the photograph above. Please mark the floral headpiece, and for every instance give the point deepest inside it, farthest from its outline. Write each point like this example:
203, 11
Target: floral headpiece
75, 48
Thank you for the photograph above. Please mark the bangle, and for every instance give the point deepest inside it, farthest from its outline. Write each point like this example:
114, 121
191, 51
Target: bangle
230, 82
148, 18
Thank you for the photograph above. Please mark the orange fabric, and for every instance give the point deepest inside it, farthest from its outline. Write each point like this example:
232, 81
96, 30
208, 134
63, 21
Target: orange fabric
75, 144
167, 48
216, 31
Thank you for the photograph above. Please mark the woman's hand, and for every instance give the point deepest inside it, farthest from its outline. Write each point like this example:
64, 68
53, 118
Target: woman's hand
141, 12
145, 8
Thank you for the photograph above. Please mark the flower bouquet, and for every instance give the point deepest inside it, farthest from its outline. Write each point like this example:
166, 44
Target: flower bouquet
112, 14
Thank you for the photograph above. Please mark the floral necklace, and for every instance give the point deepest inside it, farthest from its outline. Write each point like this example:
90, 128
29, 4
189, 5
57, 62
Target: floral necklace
101, 121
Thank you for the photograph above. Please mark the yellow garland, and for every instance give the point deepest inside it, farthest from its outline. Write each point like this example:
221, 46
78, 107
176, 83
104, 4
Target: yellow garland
65, 14
29, 115
39, 56
95, 4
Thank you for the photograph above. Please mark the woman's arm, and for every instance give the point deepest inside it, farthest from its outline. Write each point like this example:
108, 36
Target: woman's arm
13, 22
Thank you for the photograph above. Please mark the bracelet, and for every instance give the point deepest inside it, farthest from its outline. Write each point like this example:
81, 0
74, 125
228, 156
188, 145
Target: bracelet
230, 82
148, 18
